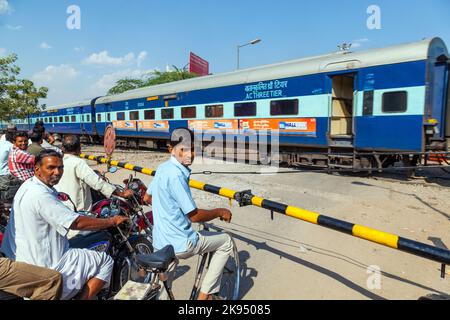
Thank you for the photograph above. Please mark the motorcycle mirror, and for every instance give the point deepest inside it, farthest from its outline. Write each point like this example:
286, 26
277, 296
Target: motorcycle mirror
63, 196
112, 170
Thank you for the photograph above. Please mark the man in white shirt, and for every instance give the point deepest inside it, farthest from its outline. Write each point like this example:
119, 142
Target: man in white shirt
79, 178
36, 232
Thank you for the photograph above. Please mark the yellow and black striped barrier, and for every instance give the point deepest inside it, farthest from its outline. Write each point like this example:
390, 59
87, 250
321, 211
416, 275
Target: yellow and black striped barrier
390, 240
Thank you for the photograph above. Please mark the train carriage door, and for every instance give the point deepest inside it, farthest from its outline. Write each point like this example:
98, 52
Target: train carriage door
439, 88
342, 110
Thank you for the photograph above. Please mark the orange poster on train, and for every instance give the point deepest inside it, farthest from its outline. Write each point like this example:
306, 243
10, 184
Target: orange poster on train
204, 125
124, 125
285, 126
146, 125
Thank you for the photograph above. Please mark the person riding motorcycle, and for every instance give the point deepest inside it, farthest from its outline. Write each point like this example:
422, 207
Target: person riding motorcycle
78, 178
22, 280
37, 232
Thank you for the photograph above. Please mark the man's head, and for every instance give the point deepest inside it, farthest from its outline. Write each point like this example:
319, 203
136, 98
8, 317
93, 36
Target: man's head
71, 144
39, 123
11, 130
181, 146
48, 167
36, 136
21, 140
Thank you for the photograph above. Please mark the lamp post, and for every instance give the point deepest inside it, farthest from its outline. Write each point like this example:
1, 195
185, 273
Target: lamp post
243, 45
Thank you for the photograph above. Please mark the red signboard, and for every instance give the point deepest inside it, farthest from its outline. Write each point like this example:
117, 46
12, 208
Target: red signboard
198, 65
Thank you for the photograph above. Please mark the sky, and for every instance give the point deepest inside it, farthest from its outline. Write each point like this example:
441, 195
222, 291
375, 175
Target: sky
82, 58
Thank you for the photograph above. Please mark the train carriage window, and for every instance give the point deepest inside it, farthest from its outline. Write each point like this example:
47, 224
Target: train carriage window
214, 111
120, 116
167, 113
82, 118
284, 107
50, 120
45, 120
73, 119
247, 109
61, 119
108, 115
55, 119
368, 103
188, 112
394, 102
66, 119
88, 118
99, 117
134, 115
149, 114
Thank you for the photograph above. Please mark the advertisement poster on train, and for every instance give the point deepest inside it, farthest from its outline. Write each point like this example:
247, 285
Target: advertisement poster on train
153, 126
204, 125
305, 126
125, 125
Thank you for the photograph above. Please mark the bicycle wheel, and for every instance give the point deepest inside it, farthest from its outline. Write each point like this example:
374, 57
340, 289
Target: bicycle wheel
231, 276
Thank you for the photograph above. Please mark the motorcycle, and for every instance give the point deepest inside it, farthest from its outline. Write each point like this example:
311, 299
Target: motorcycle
133, 207
122, 243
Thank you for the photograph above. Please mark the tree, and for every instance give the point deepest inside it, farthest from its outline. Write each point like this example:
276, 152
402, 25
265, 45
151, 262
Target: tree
18, 97
151, 79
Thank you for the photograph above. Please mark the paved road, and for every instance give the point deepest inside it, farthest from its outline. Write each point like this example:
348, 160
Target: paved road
291, 259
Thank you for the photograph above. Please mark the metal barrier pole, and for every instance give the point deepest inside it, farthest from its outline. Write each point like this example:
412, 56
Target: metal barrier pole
246, 198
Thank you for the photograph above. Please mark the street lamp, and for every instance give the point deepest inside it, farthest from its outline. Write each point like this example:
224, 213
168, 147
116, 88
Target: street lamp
247, 44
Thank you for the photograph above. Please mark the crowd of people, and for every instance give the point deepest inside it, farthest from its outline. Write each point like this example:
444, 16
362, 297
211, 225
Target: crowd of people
36, 260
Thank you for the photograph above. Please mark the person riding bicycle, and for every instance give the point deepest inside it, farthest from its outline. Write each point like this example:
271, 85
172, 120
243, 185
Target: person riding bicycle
37, 232
174, 211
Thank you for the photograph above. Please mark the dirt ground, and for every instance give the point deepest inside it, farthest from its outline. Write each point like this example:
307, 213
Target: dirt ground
291, 259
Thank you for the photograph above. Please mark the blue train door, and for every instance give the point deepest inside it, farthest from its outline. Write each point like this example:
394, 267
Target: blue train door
439, 87
341, 131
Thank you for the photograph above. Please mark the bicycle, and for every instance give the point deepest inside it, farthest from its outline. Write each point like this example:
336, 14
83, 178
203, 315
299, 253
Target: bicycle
153, 269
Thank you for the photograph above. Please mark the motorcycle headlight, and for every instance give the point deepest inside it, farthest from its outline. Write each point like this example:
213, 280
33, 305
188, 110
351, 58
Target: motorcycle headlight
104, 213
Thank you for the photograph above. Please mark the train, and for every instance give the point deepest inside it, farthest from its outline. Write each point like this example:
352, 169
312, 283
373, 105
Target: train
364, 109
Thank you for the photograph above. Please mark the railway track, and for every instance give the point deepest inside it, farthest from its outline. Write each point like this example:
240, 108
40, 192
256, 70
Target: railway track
411, 175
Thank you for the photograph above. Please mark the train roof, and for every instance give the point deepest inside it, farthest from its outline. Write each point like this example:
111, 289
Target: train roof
336, 61
68, 105
325, 63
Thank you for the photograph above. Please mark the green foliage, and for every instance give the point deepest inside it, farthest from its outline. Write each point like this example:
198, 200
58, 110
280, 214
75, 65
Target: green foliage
18, 97
151, 79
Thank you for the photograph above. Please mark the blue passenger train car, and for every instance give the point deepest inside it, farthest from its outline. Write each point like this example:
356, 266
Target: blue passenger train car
390, 102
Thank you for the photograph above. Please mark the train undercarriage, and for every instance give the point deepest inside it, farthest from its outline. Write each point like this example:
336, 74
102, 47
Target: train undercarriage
332, 159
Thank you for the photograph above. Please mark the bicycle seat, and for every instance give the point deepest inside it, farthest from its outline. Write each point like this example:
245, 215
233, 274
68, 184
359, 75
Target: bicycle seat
158, 260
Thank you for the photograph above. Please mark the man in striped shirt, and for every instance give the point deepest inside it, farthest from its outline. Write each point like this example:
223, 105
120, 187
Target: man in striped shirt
21, 163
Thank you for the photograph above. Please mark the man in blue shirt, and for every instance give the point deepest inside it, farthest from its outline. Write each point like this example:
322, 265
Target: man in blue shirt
174, 210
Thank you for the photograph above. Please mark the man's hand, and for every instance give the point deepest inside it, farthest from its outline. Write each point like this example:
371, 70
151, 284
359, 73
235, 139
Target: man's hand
226, 215
118, 220
127, 193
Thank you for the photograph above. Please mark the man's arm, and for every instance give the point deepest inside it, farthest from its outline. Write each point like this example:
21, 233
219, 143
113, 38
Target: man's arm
148, 199
24, 157
88, 176
84, 223
202, 215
